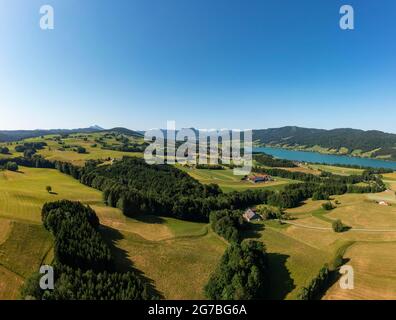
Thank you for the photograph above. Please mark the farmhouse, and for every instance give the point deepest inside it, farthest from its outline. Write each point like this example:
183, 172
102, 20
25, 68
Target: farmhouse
383, 203
250, 215
260, 178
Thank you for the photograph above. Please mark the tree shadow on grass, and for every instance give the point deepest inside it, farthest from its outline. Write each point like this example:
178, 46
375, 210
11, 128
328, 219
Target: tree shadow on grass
280, 281
253, 231
122, 261
148, 218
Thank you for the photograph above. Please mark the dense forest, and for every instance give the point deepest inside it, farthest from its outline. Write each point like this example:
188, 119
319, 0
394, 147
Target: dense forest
352, 139
83, 265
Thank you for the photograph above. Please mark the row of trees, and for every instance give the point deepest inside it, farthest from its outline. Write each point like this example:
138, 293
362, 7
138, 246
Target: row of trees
9, 165
241, 274
83, 265
317, 286
269, 161
34, 162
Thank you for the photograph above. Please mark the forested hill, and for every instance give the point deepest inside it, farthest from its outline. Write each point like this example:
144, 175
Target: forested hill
357, 141
15, 135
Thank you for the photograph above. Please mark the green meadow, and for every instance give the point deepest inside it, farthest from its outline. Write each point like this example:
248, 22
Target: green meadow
228, 182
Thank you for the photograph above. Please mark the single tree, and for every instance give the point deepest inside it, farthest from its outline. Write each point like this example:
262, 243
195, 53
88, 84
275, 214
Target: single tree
81, 149
327, 206
48, 188
338, 226
4, 150
11, 166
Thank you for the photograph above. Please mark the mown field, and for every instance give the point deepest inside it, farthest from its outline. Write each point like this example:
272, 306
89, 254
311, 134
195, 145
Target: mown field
298, 251
335, 169
167, 251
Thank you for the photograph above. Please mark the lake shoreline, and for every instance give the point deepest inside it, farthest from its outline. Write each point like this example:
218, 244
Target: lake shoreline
324, 158
321, 152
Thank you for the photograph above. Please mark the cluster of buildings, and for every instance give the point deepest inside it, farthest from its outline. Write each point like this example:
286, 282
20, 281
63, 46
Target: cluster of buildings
259, 178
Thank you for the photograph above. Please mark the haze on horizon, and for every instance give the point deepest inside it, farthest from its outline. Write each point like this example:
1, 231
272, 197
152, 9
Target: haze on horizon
204, 64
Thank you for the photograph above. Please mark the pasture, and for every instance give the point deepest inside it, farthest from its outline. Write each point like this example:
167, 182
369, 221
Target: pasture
335, 169
228, 182
374, 266
22, 252
178, 266
298, 250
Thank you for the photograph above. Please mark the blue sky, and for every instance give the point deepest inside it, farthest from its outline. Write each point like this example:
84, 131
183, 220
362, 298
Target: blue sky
203, 63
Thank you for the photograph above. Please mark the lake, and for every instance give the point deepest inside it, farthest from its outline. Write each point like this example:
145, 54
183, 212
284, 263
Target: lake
307, 156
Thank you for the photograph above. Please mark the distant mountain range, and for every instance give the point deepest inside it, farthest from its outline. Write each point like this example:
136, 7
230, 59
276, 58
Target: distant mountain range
15, 135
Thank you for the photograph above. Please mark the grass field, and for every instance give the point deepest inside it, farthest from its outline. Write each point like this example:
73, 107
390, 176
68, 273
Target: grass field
179, 266
335, 169
374, 266
228, 182
22, 253
23, 193
296, 252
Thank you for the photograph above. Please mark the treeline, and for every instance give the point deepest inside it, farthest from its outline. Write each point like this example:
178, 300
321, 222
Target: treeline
241, 274
269, 161
209, 166
35, 161
228, 224
127, 147
328, 179
83, 265
317, 286
356, 166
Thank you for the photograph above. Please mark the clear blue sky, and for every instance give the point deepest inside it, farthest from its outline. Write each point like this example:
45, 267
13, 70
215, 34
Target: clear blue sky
204, 63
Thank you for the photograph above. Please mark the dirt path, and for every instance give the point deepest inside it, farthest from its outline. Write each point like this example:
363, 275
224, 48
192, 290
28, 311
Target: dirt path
327, 229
